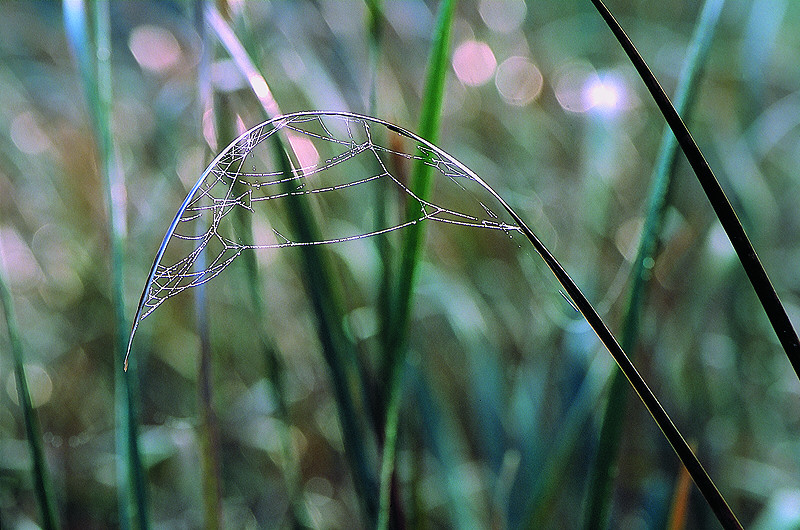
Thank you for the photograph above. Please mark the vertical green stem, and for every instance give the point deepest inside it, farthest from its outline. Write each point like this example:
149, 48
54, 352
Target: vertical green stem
421, 182
131, 476
602, 477
41, 476
421, 185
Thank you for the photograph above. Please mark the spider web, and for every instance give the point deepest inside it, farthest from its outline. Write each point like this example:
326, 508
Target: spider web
336, 162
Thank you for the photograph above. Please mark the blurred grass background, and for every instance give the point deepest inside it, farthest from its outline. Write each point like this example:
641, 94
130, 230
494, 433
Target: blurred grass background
541, 103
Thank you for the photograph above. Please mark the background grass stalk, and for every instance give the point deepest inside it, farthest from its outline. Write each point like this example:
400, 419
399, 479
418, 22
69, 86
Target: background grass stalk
602, 476
224, 117
421, 181
94, 62
338, 350
555, 469
421, 185
209, 433
115, 200
707, 487
722, 207
41, 476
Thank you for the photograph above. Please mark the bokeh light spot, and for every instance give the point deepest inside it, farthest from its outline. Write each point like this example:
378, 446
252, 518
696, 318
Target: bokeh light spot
27, 136
579, 88
474, 62
19, 262
569, 84
503, 16
518, 81
606, 93
40, 386
154, 48
304, 148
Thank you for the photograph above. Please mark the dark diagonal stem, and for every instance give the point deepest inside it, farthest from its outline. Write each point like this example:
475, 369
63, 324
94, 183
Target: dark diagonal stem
716, 196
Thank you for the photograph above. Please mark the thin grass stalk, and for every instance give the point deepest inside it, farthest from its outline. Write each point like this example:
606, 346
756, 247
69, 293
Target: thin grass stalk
679, 511
41, 476
389, 448
375, 36
209, 430
421, 180
375, 24
338, 350
555, 468
421, 184
224, 118
93, 56
336, 347
601, 480
386, 274
704, 483
762, 285
115, 200
375, 28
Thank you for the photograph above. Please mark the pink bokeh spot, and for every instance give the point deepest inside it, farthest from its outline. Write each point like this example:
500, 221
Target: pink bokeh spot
474, 63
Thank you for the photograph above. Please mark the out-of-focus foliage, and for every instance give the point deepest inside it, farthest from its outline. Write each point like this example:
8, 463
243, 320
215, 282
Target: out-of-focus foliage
542, 104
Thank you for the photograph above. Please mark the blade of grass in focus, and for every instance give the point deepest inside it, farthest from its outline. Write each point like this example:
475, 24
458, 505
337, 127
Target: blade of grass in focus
762, 285
94, 62
601, 479
337, 347
421, 185
41, 476
374, 28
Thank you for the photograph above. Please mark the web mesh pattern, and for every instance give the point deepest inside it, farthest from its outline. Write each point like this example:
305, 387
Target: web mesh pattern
335, 162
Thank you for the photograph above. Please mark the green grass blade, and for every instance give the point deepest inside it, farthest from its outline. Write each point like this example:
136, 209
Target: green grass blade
762, 285
116, 210
374, 34
556, 467
420, 184
421, 181
601, 481
338, 348
704, 483
41, 476
224, 118
94, 62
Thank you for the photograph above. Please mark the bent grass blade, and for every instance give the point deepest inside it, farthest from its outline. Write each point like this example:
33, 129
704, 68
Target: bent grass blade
334, 158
